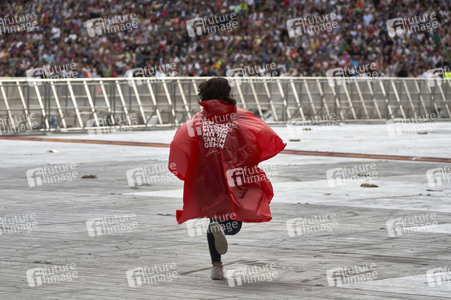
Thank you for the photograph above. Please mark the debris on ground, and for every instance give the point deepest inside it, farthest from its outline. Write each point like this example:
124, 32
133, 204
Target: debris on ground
370, 185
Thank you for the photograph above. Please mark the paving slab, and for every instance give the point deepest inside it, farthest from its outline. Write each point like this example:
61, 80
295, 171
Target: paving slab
330, 238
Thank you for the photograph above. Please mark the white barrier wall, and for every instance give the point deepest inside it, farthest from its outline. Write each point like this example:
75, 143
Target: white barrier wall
49, 104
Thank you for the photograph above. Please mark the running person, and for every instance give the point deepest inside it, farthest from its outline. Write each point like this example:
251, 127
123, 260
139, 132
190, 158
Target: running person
216, 153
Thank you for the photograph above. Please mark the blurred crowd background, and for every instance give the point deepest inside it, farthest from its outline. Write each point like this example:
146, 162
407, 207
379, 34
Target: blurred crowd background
261, 38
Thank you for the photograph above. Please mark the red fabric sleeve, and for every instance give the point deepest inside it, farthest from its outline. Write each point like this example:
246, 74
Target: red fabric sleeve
180, 153
269, 142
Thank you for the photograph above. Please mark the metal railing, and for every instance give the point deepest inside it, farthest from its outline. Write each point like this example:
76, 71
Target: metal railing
74, 104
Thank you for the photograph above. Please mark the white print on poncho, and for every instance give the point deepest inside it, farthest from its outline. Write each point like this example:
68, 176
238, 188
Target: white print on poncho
215, 134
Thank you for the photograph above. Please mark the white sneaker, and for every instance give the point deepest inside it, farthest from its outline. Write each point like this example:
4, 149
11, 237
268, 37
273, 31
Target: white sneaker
217, 273
220, 239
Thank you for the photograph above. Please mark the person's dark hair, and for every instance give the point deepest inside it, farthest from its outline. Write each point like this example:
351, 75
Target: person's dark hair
215, 88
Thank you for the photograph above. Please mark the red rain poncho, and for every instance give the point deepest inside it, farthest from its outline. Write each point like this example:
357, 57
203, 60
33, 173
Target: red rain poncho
216, 153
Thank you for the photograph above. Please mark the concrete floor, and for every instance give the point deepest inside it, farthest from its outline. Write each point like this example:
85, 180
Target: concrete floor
328, 239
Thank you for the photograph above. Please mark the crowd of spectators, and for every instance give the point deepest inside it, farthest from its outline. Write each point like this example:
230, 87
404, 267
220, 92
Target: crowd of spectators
360, 38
